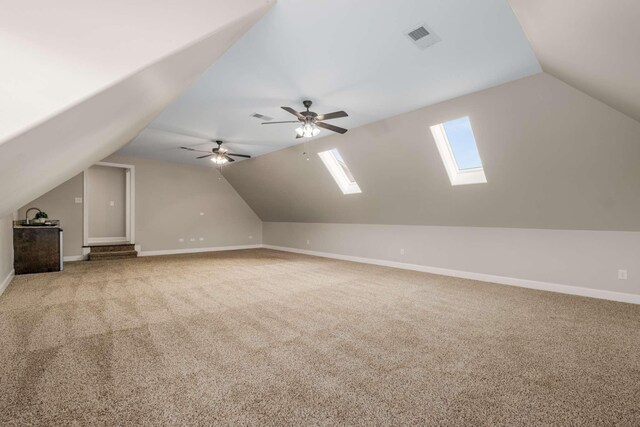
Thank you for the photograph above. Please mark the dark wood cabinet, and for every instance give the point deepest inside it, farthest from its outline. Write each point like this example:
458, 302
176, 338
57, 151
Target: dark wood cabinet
37, 249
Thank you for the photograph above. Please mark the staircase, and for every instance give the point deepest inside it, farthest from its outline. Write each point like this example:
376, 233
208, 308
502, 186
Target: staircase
108, 252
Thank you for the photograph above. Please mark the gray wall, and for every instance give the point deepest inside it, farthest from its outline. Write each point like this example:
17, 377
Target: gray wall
554, 158
169, 200
557, 161
6, 248
106, 186
588, 259
60, 204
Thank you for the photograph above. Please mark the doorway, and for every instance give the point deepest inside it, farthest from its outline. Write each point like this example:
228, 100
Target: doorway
109, 204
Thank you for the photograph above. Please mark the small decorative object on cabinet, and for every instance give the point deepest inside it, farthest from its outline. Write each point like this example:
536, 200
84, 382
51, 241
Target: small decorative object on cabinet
40, 217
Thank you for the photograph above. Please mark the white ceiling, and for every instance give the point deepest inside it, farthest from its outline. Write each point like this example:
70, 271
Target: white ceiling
343, 55
57, 54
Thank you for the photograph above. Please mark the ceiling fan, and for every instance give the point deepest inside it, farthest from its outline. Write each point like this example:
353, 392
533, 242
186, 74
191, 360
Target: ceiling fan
311, 122
218, 155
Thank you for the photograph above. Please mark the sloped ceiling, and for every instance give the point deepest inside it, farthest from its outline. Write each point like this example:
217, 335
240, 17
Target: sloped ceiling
554, 158
343, 55
81, 79
56, 54
590, 44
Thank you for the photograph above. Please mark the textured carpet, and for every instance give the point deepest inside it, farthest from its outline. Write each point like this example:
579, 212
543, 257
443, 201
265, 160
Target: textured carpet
262, 337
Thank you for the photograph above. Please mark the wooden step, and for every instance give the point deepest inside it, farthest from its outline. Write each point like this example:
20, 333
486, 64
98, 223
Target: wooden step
112, 248
108, 255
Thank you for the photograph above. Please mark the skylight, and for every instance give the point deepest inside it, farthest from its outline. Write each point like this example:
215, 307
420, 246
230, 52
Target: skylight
459, 152
339, 171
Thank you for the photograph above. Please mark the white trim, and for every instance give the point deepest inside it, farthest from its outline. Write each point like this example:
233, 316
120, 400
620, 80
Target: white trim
127, 203
197, 250
130, 207
122, 239
71, 258
502, 280
331, 163
85, 209
6, 281
132, 204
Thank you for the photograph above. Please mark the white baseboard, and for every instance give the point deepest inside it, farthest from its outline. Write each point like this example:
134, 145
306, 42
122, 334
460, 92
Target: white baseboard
6, 281
197, 250
75, 258
510, 281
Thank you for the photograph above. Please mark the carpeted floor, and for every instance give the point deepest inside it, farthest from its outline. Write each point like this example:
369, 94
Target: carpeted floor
262, 337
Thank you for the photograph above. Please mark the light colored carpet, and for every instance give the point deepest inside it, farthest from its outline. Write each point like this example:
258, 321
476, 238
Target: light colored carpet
262, 337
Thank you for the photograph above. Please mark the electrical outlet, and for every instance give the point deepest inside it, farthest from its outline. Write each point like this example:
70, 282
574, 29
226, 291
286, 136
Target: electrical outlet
202, 239
622, 274
250, 237
402, 251
308, 242
78, 199
201, 213
112, 203
181, 240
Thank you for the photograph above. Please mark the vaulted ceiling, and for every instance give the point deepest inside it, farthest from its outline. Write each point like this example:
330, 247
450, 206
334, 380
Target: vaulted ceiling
80, 79
343, 56
75, 88
590, 44
56, 54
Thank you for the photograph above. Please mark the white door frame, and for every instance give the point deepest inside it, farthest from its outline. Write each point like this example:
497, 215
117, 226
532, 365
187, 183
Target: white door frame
130, 205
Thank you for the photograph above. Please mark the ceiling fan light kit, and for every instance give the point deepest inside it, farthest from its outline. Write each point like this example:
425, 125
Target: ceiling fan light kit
219, 155
307, 130
219, 159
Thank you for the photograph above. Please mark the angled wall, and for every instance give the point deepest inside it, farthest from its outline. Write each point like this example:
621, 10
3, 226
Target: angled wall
56, 55
49, 145
560, 207
554, 158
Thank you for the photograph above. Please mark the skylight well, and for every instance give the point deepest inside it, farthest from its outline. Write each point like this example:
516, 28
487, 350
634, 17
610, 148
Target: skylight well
459, 152
339, 171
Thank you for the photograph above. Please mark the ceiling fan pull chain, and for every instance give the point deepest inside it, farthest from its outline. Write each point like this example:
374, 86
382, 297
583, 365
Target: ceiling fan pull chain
305, 153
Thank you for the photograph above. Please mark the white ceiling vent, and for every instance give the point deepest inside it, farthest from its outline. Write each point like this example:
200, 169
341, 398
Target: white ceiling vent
422, 36
261, 117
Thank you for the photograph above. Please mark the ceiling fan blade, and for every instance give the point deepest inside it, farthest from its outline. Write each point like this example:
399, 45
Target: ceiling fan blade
276, 123
334, 115
239, 155
193, 149
294, 112
229, 159
331, 127
204, 157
